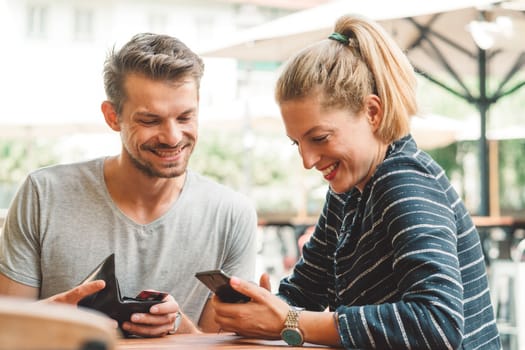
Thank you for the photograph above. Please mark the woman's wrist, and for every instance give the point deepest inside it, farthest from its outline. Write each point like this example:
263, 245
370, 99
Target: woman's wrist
319, 327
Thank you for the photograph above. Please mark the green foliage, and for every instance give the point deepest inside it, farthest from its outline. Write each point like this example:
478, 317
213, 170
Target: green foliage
219, 155
510, 172
263, 165
269, 170
447, 158
512, 175
434, 99
17, 159
223, 156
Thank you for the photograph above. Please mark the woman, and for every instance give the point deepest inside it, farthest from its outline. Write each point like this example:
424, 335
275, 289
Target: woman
395, 260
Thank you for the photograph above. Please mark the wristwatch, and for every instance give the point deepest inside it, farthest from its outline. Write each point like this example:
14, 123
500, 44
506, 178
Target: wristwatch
291, 333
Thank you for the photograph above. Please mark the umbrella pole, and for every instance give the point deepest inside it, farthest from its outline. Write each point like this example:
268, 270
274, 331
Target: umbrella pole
483, 106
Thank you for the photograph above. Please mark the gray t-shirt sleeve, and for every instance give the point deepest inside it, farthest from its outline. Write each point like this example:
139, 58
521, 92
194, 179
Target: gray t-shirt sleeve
19, 242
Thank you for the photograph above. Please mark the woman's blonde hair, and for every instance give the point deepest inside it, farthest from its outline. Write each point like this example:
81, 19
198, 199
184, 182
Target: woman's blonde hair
343, 72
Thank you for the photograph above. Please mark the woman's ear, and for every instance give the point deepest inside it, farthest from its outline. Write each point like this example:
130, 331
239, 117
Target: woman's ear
110, 115
374, 111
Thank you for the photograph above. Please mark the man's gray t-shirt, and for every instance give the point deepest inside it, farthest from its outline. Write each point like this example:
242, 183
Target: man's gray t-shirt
63, 223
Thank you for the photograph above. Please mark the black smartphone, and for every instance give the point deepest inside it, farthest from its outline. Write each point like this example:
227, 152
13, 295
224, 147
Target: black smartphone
218, 282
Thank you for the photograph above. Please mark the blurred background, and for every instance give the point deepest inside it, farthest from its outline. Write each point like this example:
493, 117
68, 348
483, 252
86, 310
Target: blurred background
51, 89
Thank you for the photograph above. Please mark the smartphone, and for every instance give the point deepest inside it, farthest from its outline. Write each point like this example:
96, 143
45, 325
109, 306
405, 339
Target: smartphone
151, 295
218, 282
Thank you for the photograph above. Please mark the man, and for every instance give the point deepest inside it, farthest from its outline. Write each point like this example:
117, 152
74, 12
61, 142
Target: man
162, 221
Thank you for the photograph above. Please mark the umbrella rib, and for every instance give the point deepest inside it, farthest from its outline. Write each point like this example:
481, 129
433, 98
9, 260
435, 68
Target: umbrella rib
511, 90
424, 36
426, 30
423, 30
467, 97
444, 63
520, 61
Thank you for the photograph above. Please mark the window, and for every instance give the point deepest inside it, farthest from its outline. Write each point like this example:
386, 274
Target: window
83, 25
37, 21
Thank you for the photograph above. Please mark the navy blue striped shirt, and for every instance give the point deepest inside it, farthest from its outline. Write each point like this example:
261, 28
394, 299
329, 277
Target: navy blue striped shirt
401, 262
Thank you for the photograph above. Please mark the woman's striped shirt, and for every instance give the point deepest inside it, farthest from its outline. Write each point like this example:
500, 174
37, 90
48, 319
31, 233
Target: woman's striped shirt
401, 262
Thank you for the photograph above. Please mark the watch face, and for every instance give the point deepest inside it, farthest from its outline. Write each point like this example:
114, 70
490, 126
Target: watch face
292, 336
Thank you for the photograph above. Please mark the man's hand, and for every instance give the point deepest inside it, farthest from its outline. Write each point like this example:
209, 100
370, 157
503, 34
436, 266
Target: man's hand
159, 321
73, 296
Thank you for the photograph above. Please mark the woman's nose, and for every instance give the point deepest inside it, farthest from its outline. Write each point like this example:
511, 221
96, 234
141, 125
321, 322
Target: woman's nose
310, 158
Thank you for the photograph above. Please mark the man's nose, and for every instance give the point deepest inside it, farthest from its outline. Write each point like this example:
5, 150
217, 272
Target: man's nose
171, 133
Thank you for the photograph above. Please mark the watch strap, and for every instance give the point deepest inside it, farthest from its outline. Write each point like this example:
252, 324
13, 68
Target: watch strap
291, 333
292, 318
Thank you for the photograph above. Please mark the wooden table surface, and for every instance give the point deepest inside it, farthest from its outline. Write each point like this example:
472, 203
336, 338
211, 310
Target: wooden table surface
498, 221
205, 341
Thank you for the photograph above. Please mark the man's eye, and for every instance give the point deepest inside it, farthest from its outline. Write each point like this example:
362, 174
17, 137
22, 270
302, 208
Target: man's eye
320, 138
148, 121
294, 143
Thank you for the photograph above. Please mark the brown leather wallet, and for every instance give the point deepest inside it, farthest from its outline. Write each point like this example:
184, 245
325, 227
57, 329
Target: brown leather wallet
109, 300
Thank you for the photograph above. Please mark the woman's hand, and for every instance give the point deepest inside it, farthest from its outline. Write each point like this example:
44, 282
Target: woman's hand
262, 317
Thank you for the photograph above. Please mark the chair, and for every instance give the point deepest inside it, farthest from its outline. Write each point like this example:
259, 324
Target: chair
30, 325
507, 283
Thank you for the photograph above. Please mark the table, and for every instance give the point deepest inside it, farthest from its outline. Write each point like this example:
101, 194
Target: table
498, 221
506, 273
206, 341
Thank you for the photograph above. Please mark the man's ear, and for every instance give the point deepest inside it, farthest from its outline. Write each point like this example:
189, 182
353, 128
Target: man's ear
110, 115
374, 111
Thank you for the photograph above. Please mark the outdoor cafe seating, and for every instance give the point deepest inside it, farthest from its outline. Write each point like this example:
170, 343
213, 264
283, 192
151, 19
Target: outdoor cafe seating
507, 282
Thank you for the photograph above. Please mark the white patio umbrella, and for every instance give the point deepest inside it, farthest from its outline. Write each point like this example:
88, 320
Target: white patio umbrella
438, 37
434, 131
279, 39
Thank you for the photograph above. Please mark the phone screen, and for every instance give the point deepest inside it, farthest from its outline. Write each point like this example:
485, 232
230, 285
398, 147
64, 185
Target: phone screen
151, 295
219, 283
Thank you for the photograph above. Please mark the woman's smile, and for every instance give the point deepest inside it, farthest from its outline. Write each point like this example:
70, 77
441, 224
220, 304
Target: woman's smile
330, 171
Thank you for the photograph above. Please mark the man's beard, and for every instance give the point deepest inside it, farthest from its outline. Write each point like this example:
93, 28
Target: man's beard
148, 170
